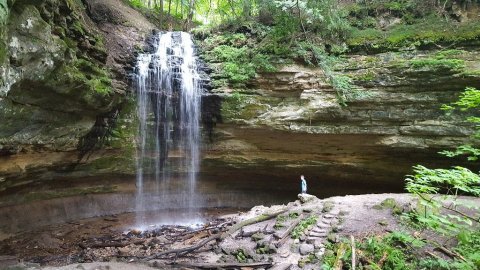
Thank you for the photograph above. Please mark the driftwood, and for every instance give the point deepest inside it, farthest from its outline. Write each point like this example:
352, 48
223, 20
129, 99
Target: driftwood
219, 226
244, 234
450, 253
283, 237
111, 244
431, 254
223, 265
218, 237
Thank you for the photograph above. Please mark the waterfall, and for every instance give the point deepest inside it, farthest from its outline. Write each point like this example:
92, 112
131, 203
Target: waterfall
169, 95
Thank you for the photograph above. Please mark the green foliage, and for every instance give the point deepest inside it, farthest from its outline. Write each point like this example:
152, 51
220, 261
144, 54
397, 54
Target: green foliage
241, 256
454, 182
137, 3
399, 250
436, 64
298, 230
238, 61
392, 251
469, 101
425, 33
444, 214
98, 79
469, 248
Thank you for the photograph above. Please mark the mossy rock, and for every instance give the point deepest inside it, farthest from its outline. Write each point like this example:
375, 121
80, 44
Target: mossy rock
258, 236
389, 203
423, 34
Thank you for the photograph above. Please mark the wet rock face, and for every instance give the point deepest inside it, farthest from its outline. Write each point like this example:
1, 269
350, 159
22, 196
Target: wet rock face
63, 71
292, 121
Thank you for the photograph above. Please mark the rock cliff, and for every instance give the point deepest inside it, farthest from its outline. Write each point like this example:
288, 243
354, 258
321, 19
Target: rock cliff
64, 67
291, 122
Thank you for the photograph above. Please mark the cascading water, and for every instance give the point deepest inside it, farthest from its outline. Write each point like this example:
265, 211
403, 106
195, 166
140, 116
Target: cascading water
169, 95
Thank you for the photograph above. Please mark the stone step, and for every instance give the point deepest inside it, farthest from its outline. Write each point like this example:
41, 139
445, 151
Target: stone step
335, 212
325, 222
314, 234
281, 266
322, 225
316, 241
318, 244
328, 216
319, 230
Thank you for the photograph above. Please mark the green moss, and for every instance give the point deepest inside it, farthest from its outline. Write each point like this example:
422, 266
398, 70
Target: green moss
448, 53
232, 105
364, 77
327, 206
3, 50
391, 204
84, 73
78, 27
431, 31
300, 228
435, 64
237, 57
309, 259
123, 164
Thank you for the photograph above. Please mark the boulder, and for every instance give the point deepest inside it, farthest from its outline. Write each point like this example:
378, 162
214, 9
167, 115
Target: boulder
304, 198
306, 249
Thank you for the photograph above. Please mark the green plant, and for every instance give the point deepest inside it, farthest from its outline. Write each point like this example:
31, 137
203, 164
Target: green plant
393, 251
309, 259
300, 228
456, 181
241, 255
435, 64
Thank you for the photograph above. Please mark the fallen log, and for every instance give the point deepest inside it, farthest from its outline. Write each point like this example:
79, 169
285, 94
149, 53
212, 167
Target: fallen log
450, 253
218, 237
283, 237
112, 244
244, 234
223, 265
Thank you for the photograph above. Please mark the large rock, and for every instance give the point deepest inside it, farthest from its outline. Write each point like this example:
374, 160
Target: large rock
63, 81
305, 198
306, 249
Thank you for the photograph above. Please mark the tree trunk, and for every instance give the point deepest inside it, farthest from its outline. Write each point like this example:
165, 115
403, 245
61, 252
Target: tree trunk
191, 12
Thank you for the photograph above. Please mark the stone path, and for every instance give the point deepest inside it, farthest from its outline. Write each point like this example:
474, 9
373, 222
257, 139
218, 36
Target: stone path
319, 234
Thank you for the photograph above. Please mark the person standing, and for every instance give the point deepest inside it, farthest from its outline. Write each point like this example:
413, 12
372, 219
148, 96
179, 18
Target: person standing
303, 184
